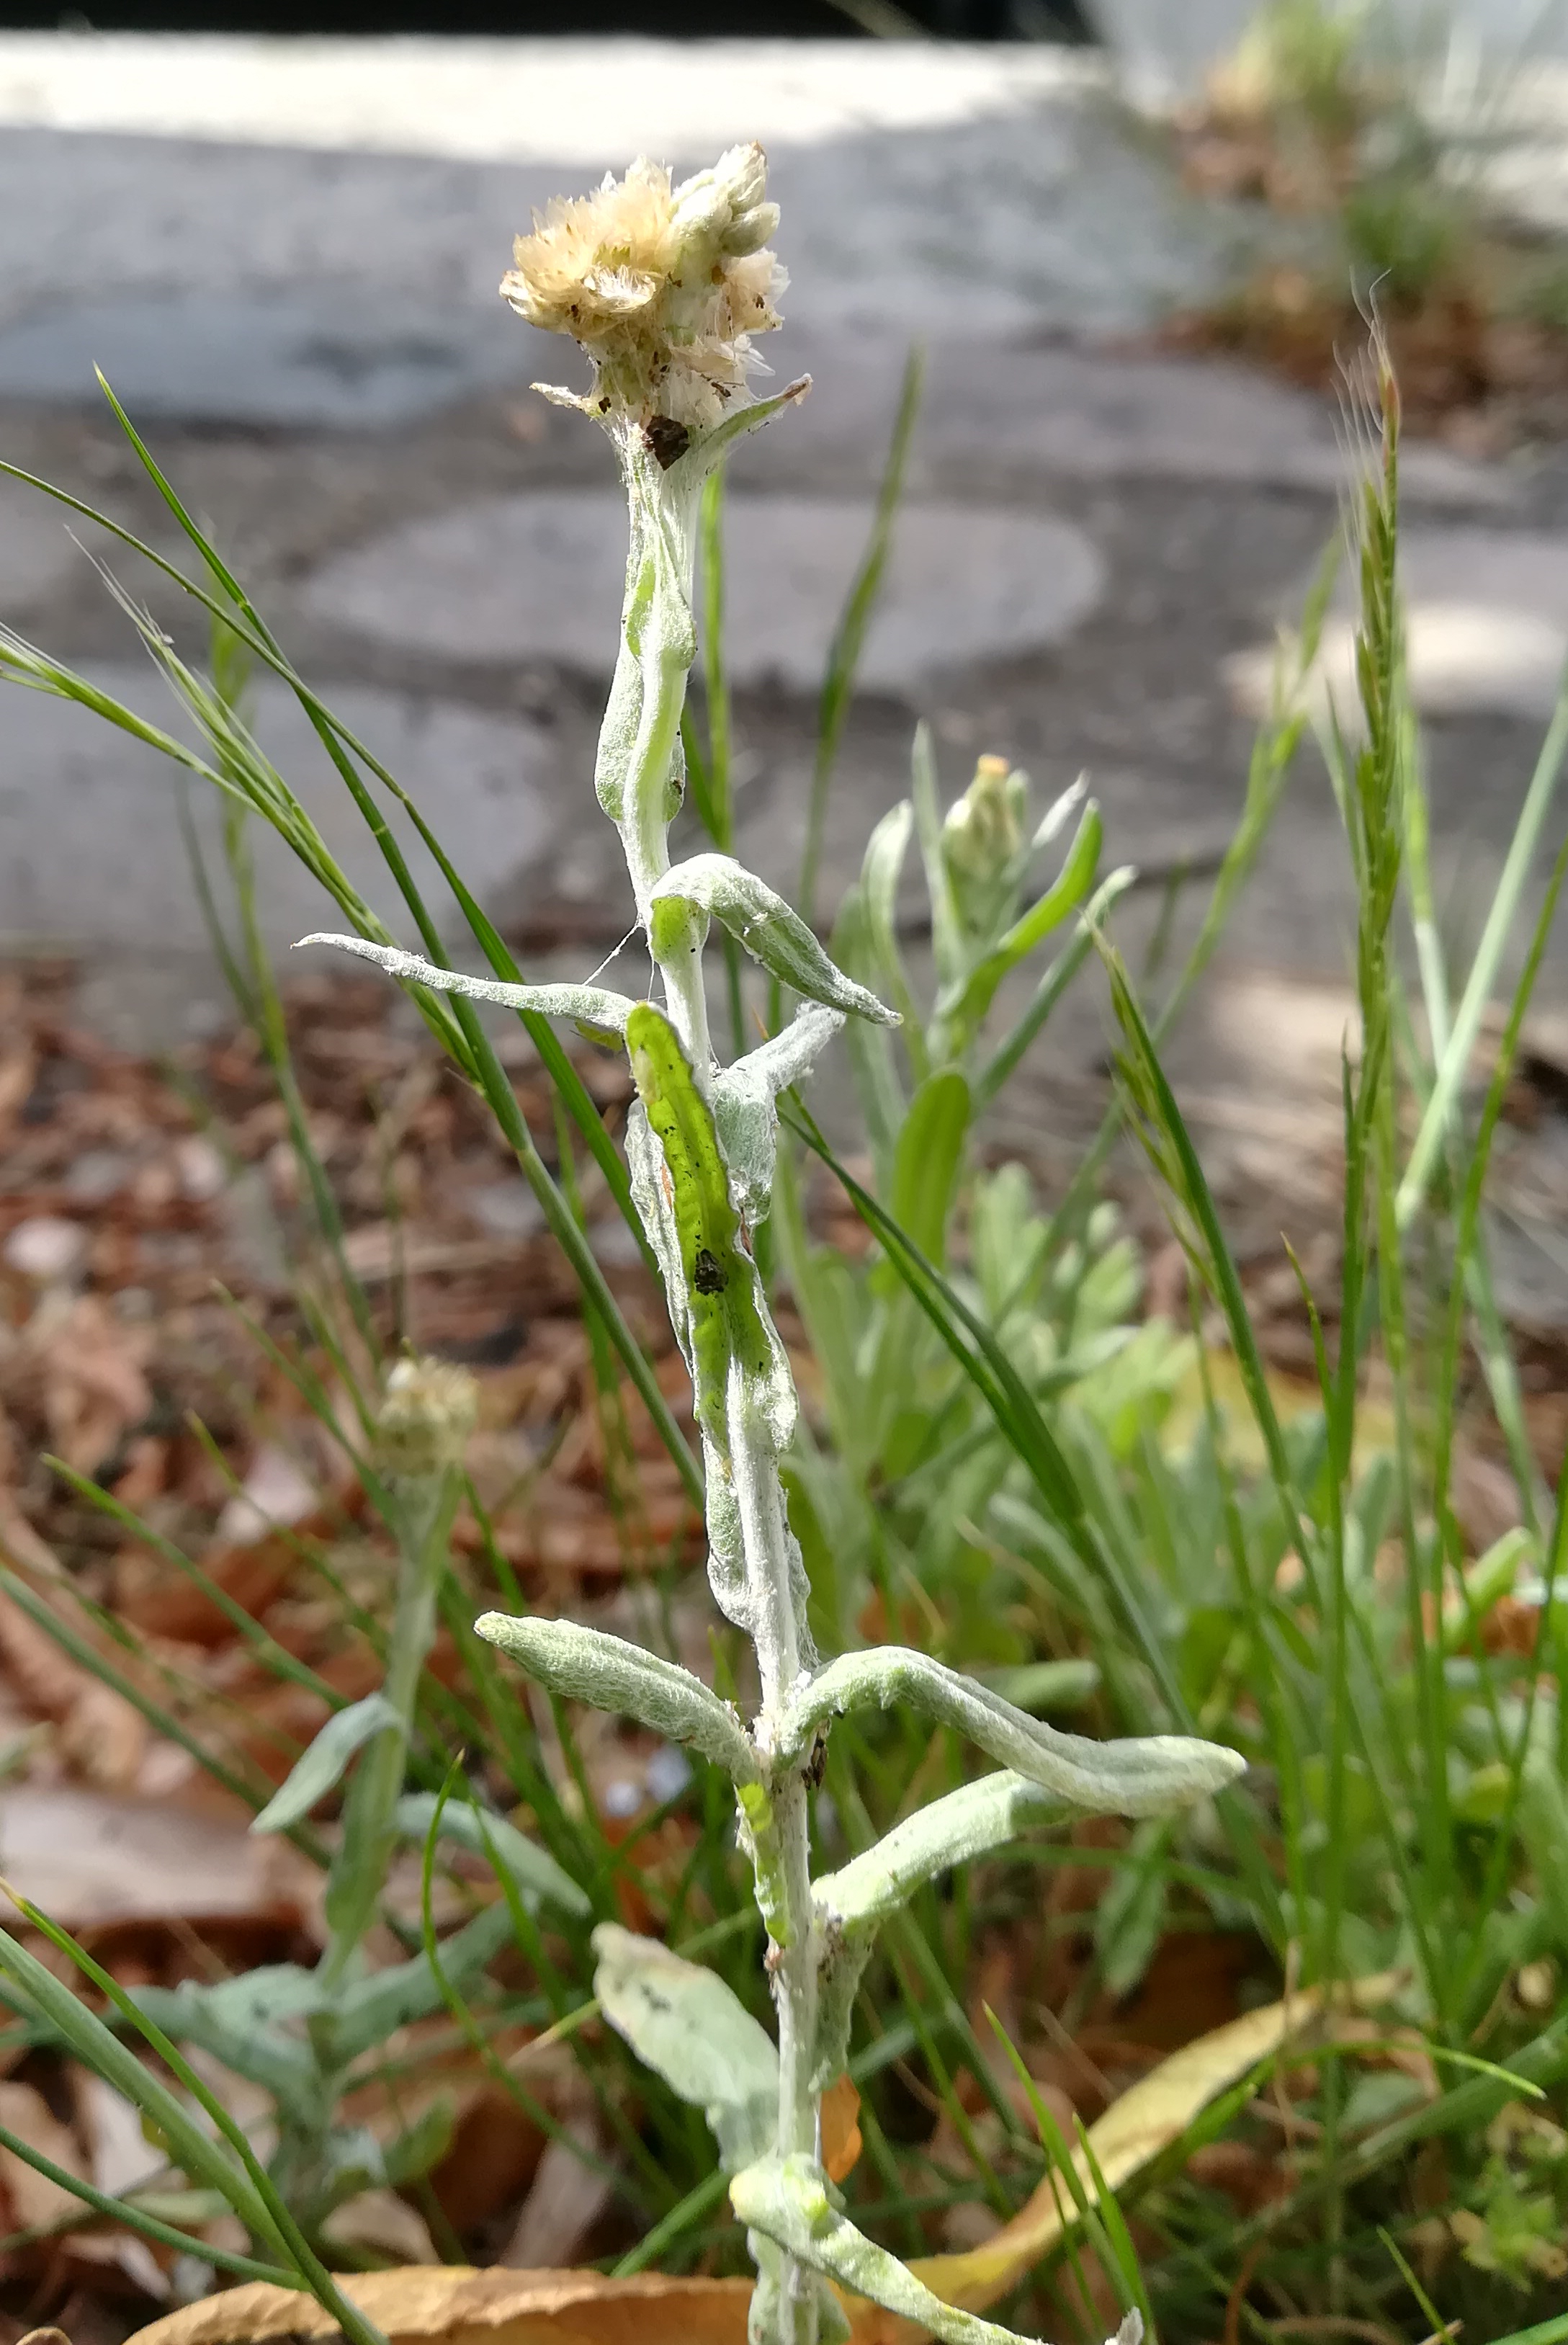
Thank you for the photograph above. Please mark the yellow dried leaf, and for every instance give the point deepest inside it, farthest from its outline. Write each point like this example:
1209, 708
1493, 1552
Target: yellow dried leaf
440, 2304
841, 2143
1133, 2131
455, 2305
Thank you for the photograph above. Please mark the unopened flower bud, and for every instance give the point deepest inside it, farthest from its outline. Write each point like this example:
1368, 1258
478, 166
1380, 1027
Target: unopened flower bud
426, 1418
982, 838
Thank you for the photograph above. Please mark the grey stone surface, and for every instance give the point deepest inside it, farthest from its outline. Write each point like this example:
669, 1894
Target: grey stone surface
1486, 619
37, 557
927, 189
584, 101
90, 854
226, 200
995, 412
341, 356
540, 577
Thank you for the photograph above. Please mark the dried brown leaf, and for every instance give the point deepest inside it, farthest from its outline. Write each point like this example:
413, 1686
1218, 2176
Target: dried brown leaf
100, 1731
33, 2199
456, 2305
88, 1859
90, 1367
567, 2198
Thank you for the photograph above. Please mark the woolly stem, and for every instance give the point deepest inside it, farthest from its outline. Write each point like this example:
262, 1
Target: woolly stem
638, 773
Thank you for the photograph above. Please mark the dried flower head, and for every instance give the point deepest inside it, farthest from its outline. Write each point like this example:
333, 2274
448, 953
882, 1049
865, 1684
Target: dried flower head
662, 286
426, 1418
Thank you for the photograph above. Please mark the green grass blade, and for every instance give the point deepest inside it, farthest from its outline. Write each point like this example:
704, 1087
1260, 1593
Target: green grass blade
276, 2221
671, 2227
342, 747
1176, 1159
134, 2219
1499, 927
101, 2050
849, 636
1545, 2333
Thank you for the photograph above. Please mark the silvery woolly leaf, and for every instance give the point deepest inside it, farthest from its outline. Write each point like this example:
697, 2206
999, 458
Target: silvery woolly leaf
966, 1823
791, 2201
1056, 813
684, 2023
771, 931
787, 1058
1146, 1775
733, 1592
610, 1673
656, 1210
748, 1136
593, 1006
851, 1903
744, 1096
773, 2305
705, 452
879, 875
533, 1871
320, 1767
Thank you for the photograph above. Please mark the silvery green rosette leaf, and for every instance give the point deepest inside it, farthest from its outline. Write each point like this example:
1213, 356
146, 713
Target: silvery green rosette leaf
321, 1765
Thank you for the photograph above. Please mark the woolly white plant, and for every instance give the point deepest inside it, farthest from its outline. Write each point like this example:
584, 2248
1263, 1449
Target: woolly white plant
663, 286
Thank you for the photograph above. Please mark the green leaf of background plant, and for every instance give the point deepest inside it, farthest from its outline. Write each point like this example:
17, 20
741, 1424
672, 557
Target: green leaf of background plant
928, 1158
536, 1875
321, 1766
964, 1005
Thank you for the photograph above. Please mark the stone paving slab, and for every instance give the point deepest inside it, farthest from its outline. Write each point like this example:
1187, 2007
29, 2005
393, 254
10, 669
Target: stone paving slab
296, 229
997, 412
542, 576
926, 188
587, 102
1486, 628
89, 848
344, 358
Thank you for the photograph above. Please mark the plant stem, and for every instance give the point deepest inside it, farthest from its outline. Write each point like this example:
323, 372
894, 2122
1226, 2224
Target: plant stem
639, 747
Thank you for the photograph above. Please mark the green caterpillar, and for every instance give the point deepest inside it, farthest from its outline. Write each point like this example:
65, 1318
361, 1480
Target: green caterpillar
725, 1312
